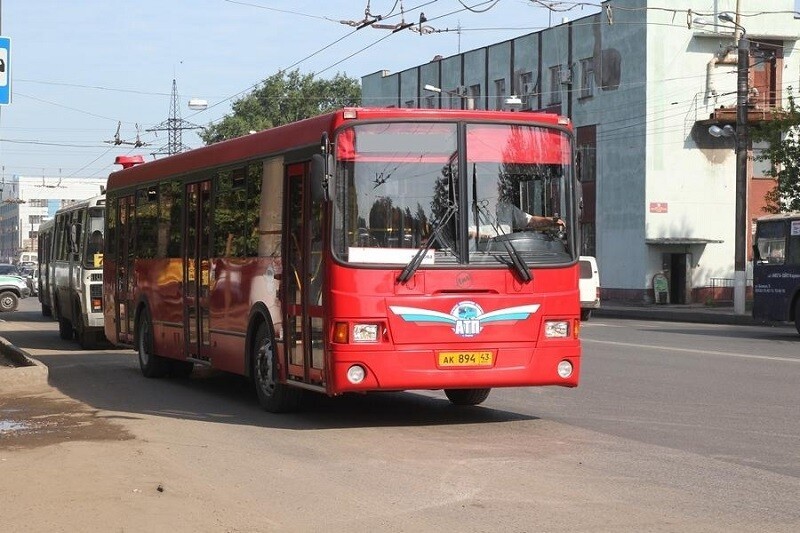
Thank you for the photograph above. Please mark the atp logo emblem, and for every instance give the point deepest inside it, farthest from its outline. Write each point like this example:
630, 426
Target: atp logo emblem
466, 318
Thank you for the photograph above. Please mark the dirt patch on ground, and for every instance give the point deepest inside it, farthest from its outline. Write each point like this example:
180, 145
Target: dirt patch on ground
44, 419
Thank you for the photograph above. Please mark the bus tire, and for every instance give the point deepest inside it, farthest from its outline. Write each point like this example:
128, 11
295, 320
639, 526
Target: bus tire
85, 338
8, 301
585, 314
65, 330
151, 365
273, 396
47, 310
180, 369
467, 396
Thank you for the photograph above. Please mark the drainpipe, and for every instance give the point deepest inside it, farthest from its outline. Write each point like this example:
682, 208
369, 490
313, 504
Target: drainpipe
711, 90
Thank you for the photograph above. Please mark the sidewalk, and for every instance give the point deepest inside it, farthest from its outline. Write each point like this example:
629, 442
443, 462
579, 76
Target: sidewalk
698, 313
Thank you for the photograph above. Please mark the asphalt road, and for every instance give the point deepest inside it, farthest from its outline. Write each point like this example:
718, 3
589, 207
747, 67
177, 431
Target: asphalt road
675, 427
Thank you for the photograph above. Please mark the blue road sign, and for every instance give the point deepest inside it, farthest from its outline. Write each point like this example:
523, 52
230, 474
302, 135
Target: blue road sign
5, 71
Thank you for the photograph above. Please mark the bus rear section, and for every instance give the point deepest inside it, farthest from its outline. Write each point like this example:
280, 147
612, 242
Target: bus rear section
776, 269
409, 250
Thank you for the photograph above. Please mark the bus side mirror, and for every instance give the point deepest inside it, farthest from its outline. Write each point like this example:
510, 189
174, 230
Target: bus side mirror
321, 165
319, 180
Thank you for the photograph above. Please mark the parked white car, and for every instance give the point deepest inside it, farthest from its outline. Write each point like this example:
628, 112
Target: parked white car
589, 285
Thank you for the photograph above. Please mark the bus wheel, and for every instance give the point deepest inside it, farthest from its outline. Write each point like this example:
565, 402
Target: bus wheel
180, 369
466, 396
585, 314
8, 301
46, 310
273, 396
85, 339
65, 329
152, 365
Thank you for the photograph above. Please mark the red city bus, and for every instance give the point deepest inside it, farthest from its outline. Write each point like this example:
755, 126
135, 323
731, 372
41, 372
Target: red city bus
407, 249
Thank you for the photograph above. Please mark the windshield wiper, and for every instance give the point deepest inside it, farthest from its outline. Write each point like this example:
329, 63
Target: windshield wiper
480, 209
416, 261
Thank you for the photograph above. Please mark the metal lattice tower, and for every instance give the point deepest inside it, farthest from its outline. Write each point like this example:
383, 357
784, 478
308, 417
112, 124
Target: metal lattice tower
174, 125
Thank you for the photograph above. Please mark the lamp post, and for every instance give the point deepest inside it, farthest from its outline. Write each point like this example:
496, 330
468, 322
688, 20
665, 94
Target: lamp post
469, 99
741, 137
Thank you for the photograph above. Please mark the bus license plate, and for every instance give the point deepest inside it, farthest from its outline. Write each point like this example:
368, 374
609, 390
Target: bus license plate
466, 358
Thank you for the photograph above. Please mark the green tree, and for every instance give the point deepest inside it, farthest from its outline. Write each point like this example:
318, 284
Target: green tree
282, 98
783, 139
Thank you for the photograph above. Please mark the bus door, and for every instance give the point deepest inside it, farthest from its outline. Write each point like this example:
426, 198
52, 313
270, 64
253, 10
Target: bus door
303, 275
126, 276
196, 269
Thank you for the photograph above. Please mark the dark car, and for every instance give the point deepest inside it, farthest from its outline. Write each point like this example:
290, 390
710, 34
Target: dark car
8, 268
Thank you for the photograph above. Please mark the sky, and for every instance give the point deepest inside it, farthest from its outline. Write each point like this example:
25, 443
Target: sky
80, 68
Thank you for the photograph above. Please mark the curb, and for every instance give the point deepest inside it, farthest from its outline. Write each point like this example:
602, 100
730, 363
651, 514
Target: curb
30, 375
666, 315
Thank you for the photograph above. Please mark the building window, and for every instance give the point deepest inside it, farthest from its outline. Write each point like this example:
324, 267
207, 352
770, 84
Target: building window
527, 90
475, 93
761, 168
555, 85
587, 77
500, 92
587, 163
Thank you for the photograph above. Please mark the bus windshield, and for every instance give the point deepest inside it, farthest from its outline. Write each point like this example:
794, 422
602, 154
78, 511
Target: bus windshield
93, 258
502, 190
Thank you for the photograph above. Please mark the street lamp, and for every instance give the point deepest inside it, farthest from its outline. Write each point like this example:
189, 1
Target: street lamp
469, 99
198, 104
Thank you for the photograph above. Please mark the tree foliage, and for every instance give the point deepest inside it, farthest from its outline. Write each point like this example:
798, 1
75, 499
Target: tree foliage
782, 135
282, 98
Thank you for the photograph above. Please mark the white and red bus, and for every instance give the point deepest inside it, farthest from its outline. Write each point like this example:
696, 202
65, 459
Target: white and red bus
362, 250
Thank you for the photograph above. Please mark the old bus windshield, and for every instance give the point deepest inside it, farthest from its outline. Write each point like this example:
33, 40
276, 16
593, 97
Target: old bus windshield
503, 190
93, 258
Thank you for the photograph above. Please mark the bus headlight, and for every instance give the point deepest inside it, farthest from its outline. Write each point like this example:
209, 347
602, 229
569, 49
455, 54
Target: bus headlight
556, 329
365, 333
356, 374
564, 369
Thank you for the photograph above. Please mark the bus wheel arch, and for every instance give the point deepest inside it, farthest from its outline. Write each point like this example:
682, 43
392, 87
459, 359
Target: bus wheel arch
273, 395
258, 315
151, 365
78, 324
65, 330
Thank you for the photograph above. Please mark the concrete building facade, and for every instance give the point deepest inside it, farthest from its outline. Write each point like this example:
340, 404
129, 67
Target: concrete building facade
642, 81
25, 202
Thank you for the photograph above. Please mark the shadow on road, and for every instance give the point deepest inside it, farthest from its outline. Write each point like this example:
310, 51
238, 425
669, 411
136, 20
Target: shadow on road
111, 381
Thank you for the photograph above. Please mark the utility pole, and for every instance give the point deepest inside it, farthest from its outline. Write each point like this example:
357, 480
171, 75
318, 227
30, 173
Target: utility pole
174, 126
742, 137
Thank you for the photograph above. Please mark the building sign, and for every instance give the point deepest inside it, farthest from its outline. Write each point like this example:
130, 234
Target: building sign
5, 71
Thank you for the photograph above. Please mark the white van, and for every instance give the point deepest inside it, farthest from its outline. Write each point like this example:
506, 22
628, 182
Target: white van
589, 285
28, 258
